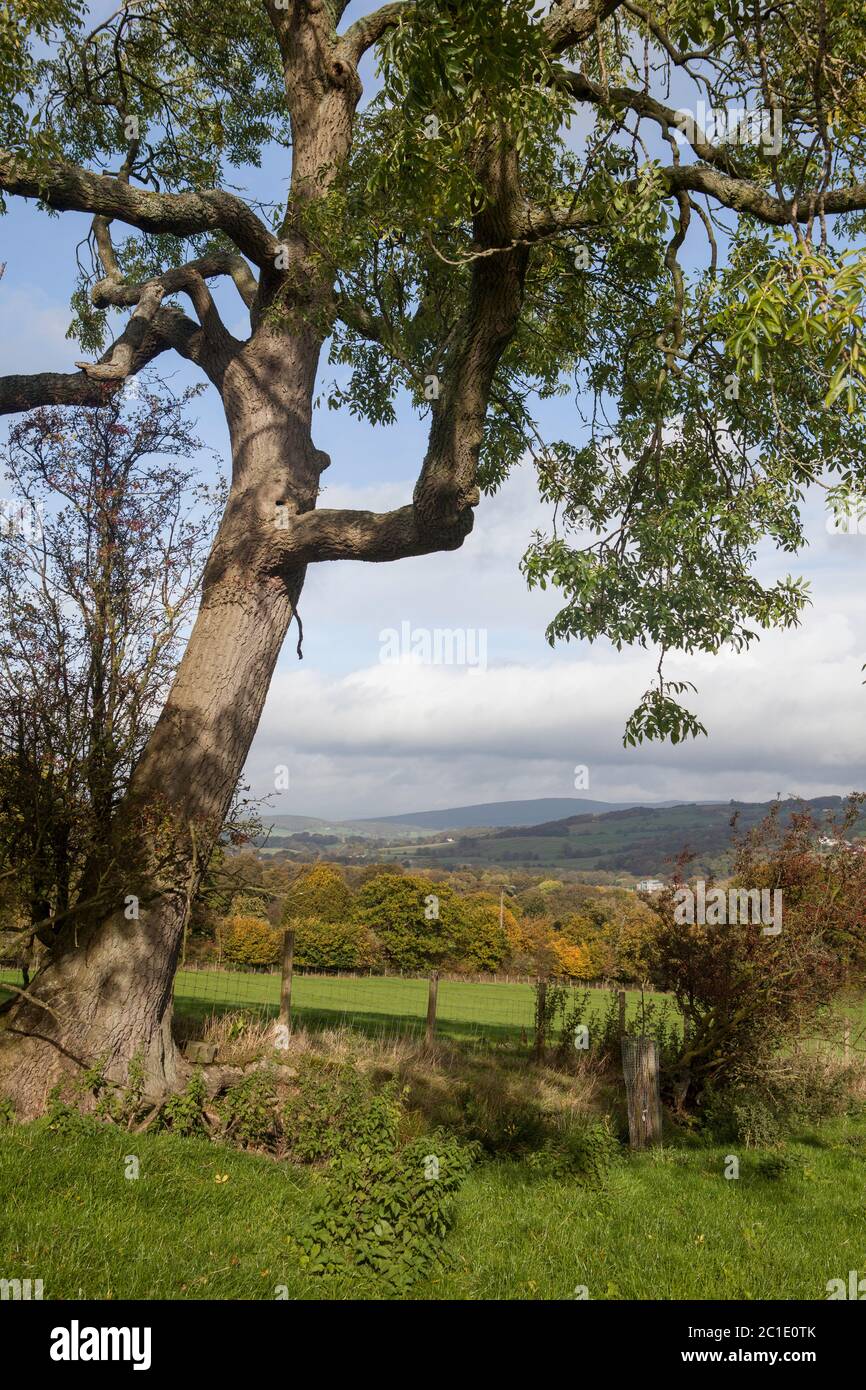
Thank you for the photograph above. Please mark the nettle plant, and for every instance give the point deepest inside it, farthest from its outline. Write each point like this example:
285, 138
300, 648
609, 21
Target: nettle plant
519, 210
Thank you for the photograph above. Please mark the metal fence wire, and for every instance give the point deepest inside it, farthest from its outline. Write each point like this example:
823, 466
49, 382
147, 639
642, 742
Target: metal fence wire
488, 1010
376, 1005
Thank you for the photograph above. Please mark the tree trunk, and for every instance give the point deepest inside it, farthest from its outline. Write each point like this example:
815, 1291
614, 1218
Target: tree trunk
104, 994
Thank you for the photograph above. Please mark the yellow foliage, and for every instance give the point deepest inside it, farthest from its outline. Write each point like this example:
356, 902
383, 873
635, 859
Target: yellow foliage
250, 941
572, 960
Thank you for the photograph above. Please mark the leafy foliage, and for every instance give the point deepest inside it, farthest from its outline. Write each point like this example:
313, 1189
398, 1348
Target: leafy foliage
745, 994
319, 891
250, 941
385, 1209
184, 1111
413, 918
346, 945
587, 1152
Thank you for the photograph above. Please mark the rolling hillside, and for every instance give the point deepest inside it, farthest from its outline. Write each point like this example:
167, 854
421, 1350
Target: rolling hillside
642, 840
491, 814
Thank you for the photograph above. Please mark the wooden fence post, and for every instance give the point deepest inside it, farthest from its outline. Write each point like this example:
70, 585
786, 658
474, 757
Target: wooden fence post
541, 1020
621, 999
432, 996
284, 1021
640, 1065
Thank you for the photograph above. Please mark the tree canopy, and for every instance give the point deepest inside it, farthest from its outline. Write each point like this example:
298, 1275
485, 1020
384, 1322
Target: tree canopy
655, 211
695, 282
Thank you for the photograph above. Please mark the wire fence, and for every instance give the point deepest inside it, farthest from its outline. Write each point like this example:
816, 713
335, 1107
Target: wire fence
477, 1009
497, 1009
373, 1004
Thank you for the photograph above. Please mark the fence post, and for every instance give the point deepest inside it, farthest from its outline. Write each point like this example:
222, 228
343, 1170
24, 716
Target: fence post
640, 1066
541, 1020
621, 1000
432, 996
284, 1021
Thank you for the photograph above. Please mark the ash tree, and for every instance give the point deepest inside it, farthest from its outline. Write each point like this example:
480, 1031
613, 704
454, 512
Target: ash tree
532, 202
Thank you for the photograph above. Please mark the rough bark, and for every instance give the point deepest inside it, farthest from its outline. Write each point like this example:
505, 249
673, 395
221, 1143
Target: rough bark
104, 995
103, 989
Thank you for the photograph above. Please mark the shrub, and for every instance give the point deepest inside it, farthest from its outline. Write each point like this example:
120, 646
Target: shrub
327, 1108
803, 1089
321, 945
249, 1114
184, 1112
744, 1117
385, 1211
319, 891
585, 1151
250, 941
748, 996
67, 1118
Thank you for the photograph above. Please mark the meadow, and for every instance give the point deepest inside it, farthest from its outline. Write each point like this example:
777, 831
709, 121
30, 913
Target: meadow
371, 1004
380, 1004
204, 1219
387, 1005
667, 1225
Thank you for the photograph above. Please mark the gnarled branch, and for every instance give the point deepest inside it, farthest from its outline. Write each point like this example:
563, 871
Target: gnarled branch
69, 188
119, 364
365, 32
19, 393
113, 292
572, 21
739, 194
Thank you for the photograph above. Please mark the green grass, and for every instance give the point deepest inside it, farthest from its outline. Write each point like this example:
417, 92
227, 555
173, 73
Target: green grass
390, 1004
377, 1004
668, 1226
371, 1004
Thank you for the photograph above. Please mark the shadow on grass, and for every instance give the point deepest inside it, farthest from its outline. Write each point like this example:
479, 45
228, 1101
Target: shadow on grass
373, 1025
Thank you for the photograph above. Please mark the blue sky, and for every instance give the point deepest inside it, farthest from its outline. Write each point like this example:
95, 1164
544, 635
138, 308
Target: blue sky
362, 737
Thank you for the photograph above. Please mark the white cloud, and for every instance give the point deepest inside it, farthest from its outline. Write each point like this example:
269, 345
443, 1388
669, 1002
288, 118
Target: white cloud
784, 718
38, 342
365, 738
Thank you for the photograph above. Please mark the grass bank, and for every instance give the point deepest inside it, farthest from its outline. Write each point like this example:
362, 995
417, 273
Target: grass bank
665, 1226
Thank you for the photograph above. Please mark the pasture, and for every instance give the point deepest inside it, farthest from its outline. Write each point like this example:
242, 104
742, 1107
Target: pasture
667, 1226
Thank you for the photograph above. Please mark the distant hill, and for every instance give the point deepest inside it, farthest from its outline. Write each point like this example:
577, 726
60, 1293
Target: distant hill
640, 840
281, 826
508, 813
485, 816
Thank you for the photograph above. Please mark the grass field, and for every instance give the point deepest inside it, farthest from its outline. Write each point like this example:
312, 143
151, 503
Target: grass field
667, 1226
391, 1004
372, 1004
376, 1004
